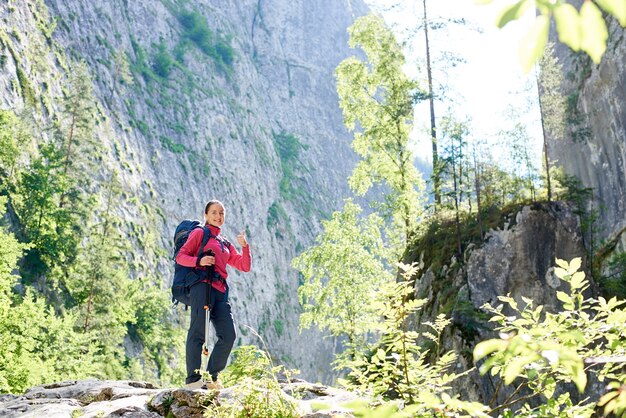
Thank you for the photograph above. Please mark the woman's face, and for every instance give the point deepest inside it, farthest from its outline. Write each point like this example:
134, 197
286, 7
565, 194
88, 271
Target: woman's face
215, 215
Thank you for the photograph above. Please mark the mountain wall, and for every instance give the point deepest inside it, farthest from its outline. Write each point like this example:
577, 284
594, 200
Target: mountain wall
595, 148
253, 121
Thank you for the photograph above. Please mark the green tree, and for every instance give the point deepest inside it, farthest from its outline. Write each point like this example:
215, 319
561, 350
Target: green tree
36, 345
99, 284
54, 196
377, 100
75, 129
397, 367
523, 170
431, 102
341, 274
454, 167
45, 224
12, 138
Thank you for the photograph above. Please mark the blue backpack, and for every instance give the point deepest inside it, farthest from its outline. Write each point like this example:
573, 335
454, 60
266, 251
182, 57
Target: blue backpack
185, 277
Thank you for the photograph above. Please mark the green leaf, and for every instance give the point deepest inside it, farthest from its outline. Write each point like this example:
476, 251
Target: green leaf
564, 297
562, 263
514, 369
527, 301
577, 280
512, 12
579, 377
549, 387
615, 7
575, 264
574, 336
594, 32
561, 273
568, 25
485, 348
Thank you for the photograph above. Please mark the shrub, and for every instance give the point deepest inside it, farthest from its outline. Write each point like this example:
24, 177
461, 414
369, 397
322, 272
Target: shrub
257, 391
163, 62
196, 30
225, 52
540, 351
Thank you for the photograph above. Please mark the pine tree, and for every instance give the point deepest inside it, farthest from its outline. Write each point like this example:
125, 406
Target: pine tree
453, 166
11, 136
99, 284
49, 227
75, 131
523, 168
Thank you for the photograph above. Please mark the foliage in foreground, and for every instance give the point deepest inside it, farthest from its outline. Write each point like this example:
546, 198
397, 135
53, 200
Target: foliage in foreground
397, 367
543, 351
257, 391
583, 29
538, 353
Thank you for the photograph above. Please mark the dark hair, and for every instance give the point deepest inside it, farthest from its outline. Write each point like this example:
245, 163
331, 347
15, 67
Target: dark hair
211, 203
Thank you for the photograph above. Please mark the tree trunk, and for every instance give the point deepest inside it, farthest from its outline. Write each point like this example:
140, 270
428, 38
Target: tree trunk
456, 205
545, 144
433, 127
478, 206
67, 157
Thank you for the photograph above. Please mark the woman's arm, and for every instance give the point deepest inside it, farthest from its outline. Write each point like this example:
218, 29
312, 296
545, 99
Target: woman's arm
241, 261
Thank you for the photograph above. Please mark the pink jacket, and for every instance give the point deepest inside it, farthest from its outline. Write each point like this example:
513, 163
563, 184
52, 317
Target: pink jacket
224, 254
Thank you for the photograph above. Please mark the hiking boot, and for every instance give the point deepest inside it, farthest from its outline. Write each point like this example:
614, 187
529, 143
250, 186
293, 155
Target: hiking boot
213, 386
198, 384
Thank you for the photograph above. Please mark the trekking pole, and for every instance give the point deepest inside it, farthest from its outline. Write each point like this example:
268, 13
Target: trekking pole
204, 362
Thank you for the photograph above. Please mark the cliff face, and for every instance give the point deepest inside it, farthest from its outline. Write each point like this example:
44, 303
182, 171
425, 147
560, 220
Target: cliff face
517, 259
195, 123
597, 94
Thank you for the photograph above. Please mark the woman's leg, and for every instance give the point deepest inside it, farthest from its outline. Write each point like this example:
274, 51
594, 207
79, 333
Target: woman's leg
195, 335
222, 320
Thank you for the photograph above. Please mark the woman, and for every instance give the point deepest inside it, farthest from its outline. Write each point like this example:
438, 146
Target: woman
218, 253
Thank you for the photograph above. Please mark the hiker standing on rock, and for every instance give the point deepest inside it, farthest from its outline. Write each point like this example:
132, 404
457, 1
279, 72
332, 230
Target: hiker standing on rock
214, 257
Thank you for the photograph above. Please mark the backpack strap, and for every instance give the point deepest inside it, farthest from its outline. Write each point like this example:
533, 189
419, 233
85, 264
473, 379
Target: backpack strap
223, 241
206, 235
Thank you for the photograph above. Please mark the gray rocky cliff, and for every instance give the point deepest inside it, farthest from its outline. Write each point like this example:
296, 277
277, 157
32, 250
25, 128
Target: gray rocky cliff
520, 259
517, 259
263, 134
595, 148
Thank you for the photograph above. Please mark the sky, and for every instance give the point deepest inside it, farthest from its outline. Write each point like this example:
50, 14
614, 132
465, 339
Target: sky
481, 90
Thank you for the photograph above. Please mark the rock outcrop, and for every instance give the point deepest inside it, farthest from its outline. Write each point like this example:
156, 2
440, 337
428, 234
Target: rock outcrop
520, 259
517, 259
129, 399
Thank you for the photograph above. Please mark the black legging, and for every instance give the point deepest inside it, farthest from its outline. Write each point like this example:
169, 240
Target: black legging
222, 320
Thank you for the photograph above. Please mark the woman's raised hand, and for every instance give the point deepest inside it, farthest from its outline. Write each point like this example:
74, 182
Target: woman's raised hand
241, 238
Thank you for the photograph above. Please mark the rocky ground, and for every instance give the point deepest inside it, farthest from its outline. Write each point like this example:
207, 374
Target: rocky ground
107, 398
